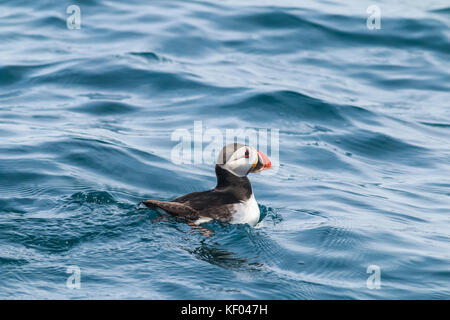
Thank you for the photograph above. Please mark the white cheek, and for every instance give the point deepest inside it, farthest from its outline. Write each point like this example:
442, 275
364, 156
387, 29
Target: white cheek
240, 167
254, 159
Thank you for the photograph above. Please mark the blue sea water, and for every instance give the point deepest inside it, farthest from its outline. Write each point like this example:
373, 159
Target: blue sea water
87, 118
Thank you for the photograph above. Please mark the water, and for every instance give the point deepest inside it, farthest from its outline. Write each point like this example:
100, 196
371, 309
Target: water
86, 118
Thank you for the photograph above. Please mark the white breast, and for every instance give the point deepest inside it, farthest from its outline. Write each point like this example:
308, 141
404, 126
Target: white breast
246, 212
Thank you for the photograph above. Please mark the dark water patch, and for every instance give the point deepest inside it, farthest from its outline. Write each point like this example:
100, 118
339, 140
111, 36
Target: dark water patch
46, 117
377, 145
105, 96
49, 22
309, 29
10, 205
436, 124
91, 154
12, 261
149, 56
13, 74
285, 104
104, 108
271, 20
94, 222
445, 10
13, 178
427, 30
116, 77
405, 83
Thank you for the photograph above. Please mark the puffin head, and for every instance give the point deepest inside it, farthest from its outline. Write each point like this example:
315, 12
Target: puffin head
241, 160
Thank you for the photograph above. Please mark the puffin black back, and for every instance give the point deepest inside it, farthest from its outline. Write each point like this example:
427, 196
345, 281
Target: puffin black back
239, 186
232, 199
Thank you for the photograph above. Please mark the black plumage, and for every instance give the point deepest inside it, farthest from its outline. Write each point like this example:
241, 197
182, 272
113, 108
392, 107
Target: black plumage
215, 204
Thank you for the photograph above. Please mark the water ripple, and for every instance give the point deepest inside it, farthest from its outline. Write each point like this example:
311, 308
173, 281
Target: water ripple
86, 123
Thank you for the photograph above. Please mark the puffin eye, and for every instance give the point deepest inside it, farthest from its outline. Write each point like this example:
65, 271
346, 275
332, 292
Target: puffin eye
247, 154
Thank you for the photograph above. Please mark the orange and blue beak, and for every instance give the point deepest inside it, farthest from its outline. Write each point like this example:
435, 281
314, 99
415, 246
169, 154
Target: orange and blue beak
263, 163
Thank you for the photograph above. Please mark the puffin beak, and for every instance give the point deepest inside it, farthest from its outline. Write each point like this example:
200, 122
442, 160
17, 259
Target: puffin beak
263, 163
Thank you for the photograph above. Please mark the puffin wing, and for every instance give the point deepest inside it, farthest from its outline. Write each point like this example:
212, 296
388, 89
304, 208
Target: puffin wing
210, 204
174, 208
207, 204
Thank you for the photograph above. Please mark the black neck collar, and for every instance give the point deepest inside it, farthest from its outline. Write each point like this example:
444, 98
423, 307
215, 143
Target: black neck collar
240, 186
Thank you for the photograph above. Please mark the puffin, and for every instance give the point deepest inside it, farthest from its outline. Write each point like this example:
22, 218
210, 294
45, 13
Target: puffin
232, 200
